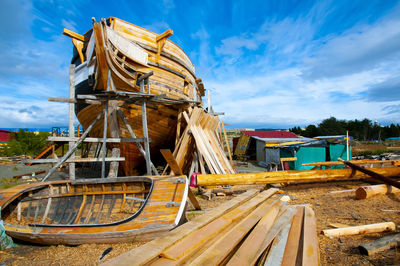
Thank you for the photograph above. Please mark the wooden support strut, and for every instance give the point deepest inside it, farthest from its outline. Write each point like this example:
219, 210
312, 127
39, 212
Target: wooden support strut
373, 174
169, 157
133, 135
69, 153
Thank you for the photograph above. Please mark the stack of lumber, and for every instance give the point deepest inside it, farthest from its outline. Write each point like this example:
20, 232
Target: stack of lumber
200, 145
253, 228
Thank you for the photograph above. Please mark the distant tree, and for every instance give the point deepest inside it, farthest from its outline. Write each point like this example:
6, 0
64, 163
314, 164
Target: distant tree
27, 143
311, 131
332, 126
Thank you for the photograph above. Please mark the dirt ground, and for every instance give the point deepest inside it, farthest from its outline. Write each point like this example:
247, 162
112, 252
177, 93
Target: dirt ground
329, 208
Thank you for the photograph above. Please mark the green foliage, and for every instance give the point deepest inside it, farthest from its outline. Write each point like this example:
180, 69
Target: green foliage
27, 143
358, 129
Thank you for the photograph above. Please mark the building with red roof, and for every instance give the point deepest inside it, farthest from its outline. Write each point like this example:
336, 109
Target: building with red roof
264, 134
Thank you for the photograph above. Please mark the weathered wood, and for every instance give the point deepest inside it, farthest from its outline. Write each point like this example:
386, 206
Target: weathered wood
290, 176
133, 135
69, 153
91, 140
217, 252
151, 250
77, 160
227, 143
104, 144
276, 253
310, 238
379, 245
360, 229
248, 251
366, 192
167, 154
71, 118
292, 247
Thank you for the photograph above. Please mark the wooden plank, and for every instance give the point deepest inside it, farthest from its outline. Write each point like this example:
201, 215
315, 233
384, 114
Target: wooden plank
360, 229
227, 143
246, 252
77, 160
292, 247
108, 140
252, 213
151, 250
167, 154
249, 257
288, 159
275, 254
310, 238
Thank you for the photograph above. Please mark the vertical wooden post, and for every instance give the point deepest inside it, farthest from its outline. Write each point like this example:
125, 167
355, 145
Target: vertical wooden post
71, 120
347, 145
209, 101
114, 130
145, 132
104, 148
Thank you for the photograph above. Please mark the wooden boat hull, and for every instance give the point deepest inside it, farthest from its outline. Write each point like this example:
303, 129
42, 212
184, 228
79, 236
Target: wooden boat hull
59, 212
123, 51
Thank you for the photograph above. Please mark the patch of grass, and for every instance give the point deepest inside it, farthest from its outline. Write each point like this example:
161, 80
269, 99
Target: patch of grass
5, 186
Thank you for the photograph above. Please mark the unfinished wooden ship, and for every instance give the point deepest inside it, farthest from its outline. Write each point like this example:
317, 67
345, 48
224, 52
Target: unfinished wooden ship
94, 211
113, 55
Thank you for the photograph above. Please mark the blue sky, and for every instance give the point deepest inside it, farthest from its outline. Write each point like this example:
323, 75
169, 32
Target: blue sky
267, 64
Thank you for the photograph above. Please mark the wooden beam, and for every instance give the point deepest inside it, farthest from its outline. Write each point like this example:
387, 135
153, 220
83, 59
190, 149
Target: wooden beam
71, 118
76, 160
74, 35
167, 154
373, 174
360, 229
108, 140
379, 245
289, 176
165, 34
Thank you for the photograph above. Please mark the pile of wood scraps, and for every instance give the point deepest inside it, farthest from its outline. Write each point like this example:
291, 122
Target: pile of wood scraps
252, 228
198, 146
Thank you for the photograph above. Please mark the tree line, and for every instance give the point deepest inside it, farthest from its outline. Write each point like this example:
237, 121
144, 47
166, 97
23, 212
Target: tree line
359, 129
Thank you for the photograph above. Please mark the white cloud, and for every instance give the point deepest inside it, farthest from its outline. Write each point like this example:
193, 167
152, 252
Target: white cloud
283, 75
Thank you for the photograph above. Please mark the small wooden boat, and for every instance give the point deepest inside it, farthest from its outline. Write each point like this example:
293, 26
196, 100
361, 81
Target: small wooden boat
122, 52
94, 211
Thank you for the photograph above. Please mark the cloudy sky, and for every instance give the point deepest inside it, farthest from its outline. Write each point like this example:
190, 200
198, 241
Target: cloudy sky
267, 64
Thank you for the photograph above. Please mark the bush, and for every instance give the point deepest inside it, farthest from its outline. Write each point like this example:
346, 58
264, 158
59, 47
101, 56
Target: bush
27, 143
